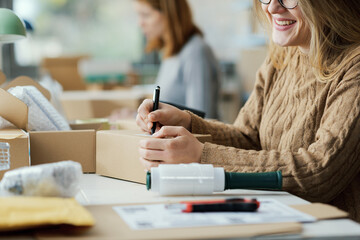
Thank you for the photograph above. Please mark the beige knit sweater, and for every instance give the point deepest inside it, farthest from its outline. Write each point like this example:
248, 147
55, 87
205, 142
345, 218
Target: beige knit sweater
307, 129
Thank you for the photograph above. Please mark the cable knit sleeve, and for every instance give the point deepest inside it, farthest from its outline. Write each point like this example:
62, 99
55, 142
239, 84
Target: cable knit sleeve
320, 170
244, 133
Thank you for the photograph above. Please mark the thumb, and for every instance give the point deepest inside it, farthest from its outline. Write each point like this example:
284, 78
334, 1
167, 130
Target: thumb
156, 116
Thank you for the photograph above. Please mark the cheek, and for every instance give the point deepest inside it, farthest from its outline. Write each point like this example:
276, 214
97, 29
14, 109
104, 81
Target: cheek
158, 25
303, 30
150, 24
161, 28
267, 14
303, 26
142, 22
264, 7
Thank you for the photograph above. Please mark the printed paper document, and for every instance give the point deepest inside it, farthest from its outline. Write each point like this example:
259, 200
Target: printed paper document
156, 216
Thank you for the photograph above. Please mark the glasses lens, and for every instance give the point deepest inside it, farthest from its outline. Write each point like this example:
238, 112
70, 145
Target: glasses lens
290, 3
265, 1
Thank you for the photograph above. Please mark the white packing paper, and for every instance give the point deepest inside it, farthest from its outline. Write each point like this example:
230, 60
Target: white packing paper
42, 115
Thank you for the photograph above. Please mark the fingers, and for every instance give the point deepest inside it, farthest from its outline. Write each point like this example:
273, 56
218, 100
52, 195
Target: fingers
142, 123
153, 143
170, 131
156, 116
149, 164
152, 155
142, 117
158, 149
146, 111
145, 118
145, 108
158, 126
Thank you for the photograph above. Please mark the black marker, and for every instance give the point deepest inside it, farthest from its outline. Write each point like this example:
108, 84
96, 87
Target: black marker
156, 97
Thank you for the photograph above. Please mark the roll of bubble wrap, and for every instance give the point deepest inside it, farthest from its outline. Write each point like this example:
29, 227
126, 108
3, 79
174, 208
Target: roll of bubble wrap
59, 179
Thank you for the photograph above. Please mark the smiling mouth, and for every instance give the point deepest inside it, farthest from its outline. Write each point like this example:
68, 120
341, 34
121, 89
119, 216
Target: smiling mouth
284, 23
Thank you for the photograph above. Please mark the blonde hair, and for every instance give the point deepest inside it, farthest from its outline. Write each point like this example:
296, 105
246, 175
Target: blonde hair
179, 26
335, 34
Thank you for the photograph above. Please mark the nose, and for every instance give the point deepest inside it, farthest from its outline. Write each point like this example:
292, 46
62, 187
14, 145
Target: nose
275, 7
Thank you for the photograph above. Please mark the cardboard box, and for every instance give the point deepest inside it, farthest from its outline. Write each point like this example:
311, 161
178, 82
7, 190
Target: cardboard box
117, 154
92, 123
50, 146
19, 148
65, 71
110, 224
125, 124
78, 146
98, 104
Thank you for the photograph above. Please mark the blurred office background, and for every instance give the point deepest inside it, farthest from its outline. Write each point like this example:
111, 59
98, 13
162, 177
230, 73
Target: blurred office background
95, 36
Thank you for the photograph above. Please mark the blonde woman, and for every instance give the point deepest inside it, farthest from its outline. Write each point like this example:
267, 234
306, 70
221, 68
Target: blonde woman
189, 73
303, 116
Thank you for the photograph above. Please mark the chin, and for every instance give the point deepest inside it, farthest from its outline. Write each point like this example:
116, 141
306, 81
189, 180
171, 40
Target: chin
281, 43
282, 40
150, 38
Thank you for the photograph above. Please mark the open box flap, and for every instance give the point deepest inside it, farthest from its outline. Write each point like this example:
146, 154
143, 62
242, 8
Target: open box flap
26, 81
9, 134
13, 109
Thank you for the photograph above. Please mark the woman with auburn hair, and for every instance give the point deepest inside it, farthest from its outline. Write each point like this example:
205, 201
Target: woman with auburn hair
303, 116
189, 73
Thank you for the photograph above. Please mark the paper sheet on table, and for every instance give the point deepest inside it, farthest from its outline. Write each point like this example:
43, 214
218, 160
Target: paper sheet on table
157, 216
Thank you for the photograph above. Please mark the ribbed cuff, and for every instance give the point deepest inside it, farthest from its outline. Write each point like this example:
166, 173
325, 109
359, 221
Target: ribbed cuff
197, 123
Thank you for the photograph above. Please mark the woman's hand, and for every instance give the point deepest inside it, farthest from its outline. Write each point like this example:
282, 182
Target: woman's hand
171, 145
166, 115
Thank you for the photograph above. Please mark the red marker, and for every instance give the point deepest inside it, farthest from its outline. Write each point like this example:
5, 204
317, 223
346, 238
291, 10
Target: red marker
222, 205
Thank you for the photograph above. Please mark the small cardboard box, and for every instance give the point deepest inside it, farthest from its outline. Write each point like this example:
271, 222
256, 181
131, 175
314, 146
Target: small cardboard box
98, 104
124, 124
19, 148
65, 71
50, 146
117, 154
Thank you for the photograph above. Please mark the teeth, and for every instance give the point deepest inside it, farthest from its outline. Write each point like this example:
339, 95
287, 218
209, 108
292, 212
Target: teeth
284, 23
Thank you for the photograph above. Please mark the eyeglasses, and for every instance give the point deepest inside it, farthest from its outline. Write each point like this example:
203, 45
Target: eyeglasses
288, 4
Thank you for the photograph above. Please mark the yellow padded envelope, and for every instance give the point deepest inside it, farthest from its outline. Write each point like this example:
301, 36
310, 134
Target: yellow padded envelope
28, 212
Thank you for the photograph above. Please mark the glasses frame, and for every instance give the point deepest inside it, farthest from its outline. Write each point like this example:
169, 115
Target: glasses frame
281, 3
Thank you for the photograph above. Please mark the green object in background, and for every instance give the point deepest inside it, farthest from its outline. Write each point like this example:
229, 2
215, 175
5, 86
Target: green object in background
11, 27
105, 78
